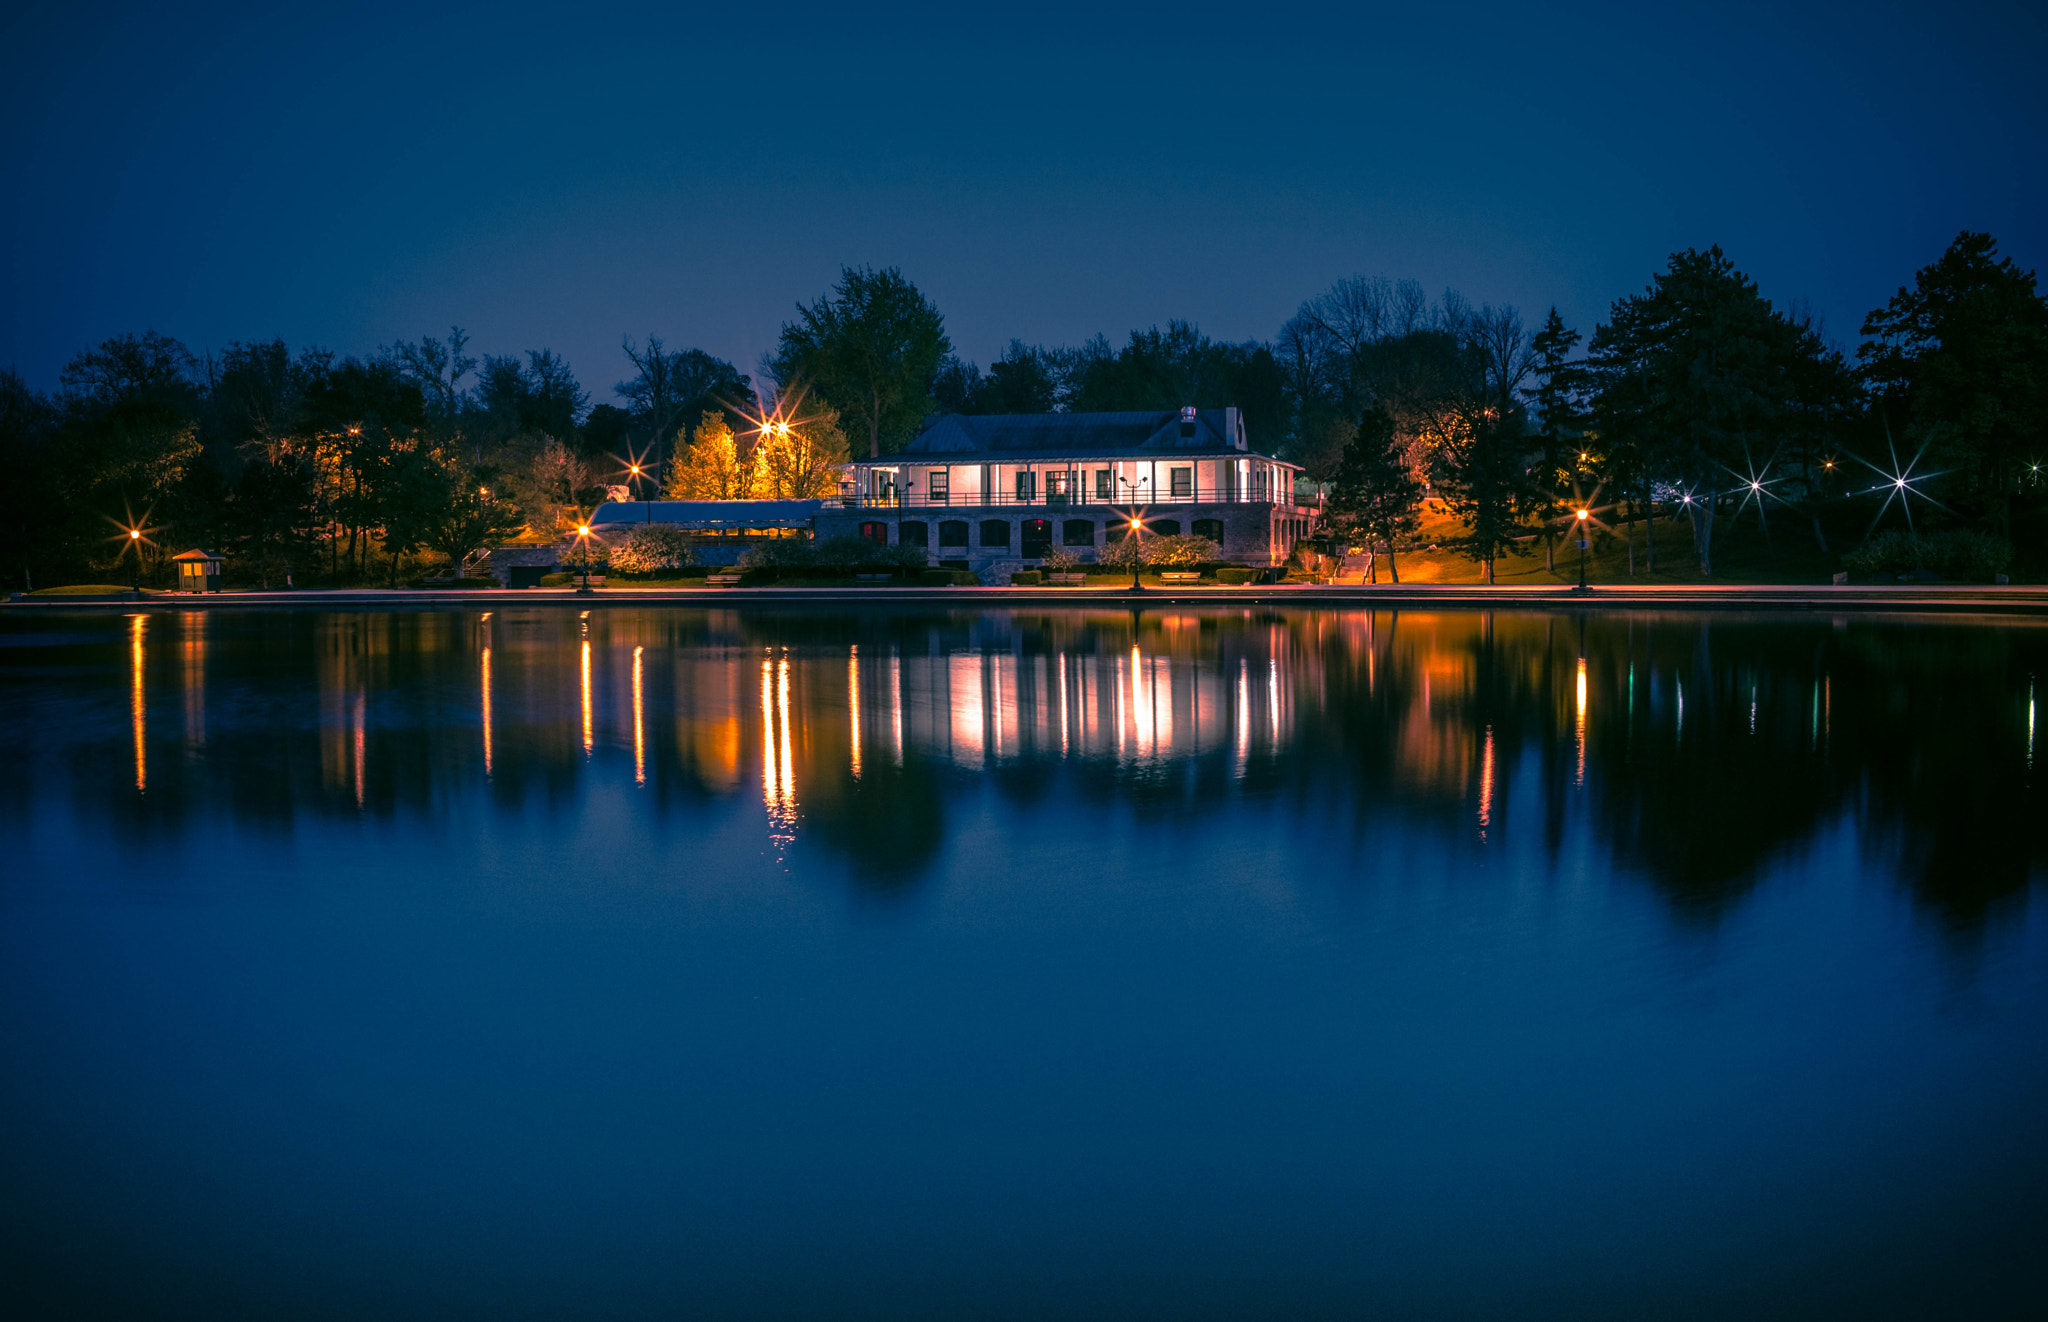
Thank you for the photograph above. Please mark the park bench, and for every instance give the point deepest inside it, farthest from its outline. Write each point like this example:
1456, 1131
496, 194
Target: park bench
1066, 580
722, 580
1180, 576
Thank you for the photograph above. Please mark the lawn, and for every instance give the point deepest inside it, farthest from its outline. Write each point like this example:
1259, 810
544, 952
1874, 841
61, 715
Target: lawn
1742, 554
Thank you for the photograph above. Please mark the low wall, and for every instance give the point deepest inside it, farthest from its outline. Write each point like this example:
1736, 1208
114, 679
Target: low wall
502, 561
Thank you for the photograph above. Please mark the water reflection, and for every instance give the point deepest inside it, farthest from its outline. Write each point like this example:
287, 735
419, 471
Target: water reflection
1695, 749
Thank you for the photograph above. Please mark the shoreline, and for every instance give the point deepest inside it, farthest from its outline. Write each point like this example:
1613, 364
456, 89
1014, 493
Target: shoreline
1898, 597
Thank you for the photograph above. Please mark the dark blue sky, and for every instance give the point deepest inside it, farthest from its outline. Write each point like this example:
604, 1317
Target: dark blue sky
560, 176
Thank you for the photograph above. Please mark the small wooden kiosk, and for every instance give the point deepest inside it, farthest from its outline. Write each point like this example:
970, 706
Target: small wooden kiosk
198, 571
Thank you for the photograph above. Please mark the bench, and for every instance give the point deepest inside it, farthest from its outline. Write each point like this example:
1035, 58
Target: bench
1066, 580
1180, 576
722, 580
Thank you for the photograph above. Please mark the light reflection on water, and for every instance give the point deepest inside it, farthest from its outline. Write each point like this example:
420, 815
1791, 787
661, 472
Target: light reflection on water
1188, 962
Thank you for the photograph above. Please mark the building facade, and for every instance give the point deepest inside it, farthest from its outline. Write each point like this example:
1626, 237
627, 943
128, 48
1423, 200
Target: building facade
996, 492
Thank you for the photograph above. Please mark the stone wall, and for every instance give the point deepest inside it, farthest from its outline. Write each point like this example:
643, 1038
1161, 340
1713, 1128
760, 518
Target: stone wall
1252, 532
527, 557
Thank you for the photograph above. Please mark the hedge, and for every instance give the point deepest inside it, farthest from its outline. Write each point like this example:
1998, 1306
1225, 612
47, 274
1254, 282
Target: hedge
1239, 575
1026, 578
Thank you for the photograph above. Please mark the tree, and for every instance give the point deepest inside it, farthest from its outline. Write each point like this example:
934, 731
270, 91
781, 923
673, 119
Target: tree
411, 491
1560, 427
437, 368
1374, 492
468, 519
539, 396
668, 387
799, 460
713, 467
871, 349
1700, 380
274, 513
1963, 356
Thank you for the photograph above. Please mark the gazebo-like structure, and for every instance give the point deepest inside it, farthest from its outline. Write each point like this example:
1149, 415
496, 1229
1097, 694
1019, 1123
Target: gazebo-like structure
198, 570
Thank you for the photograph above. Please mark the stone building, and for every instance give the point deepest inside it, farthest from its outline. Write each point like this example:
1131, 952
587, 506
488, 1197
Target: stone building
995, 492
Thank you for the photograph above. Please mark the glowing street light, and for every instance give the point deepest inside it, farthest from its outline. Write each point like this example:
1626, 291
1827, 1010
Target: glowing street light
1137, 527
1581, 516
583, 539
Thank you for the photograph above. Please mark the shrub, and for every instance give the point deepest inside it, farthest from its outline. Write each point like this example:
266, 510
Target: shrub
557, 580
1959, 553
1126, 554
1059, 559
1182, 552
781, 553
846, 555
1238, 575
1026, 578
652, 548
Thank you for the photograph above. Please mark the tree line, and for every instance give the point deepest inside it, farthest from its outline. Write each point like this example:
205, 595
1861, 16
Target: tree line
1697, 396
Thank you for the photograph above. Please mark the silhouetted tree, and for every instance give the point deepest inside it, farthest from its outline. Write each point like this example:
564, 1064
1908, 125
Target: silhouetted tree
871, 348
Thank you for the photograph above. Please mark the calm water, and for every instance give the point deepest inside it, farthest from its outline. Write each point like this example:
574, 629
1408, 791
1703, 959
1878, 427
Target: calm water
1020, 964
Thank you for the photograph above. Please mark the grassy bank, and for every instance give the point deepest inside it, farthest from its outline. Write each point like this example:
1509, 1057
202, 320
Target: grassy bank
1743, 553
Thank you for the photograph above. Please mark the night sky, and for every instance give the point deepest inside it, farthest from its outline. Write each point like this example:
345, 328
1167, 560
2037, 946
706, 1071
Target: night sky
557, 176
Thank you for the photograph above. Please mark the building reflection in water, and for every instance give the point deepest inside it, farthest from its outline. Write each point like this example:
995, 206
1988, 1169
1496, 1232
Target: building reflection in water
192, 652
1722, 751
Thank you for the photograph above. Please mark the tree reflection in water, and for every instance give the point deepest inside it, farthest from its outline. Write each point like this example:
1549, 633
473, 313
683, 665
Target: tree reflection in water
1692, 748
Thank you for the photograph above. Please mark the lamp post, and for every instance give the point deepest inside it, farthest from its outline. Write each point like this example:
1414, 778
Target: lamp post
1137, 528
135, 571
583, 538
1582, 516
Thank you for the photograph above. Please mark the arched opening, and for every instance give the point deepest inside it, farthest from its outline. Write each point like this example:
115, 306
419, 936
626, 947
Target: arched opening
876, 532
995, 532
953, 532
1037, 538
1077, 532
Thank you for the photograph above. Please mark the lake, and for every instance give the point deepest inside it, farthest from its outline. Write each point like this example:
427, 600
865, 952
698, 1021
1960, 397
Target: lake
929, 963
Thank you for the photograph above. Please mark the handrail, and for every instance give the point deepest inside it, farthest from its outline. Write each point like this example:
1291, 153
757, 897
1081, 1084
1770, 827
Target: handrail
1042, 500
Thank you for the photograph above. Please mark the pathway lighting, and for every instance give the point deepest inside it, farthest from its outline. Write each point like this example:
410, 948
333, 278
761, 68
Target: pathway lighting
583, 539
1582, 516
1137, 526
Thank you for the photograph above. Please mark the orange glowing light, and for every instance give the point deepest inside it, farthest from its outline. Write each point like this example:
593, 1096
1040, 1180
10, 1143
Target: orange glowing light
1585, 514
583, 530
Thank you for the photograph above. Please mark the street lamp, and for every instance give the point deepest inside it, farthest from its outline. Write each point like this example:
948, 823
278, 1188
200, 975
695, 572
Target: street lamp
583, 538
1582, 516
1137, 528
135, 572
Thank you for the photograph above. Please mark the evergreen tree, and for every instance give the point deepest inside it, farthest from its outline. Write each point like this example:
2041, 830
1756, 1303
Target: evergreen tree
1962, 355
1374, 493
1560, 428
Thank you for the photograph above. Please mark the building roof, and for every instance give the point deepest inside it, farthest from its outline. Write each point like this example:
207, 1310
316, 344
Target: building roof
707, 513
195, 555
1037, 437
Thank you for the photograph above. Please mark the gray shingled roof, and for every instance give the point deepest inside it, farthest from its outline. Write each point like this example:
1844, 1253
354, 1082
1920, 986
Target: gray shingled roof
1033, 436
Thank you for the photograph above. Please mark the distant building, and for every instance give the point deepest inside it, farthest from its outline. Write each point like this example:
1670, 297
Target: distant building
1002, 489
